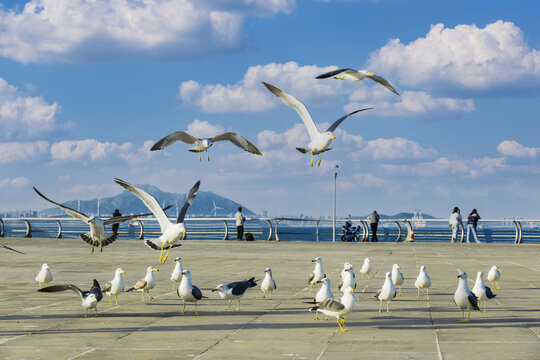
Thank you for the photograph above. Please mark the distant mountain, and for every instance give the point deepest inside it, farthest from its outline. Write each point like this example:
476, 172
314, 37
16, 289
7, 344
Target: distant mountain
202, 206
401, 215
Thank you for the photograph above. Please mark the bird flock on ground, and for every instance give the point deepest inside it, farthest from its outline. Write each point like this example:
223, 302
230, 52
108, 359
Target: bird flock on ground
323, 301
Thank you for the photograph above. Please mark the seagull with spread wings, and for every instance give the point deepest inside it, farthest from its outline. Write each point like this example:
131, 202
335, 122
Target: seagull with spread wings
203, 144
357, 75
89, 299
97, 232
171, 233
320, 141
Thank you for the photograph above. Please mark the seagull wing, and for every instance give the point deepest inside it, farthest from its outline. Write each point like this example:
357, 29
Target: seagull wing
58, 288
332, 73
140, 284
383, 82
474, 301
298, 106
150, 202
70, 211
119, 219
172, 138
196, 292
332, 305
311, 277
189, 201
341, 119
96, 290
489, 293
237, 140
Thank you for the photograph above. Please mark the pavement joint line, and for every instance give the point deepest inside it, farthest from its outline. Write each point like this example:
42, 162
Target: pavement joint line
526, 267
34, 308
84, 353
327, 344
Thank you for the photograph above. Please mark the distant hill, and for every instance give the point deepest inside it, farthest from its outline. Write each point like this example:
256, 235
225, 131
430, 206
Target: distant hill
401, 215
202, 206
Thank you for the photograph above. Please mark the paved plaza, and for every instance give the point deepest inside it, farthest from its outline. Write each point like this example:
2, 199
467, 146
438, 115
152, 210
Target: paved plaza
51, 326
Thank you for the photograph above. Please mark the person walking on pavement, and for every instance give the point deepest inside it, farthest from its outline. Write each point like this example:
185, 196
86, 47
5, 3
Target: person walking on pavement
116, 213
373, 219
455, 221
239, 224
472, 221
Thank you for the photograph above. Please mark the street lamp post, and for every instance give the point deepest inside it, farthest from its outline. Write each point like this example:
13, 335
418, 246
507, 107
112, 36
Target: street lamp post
334, 218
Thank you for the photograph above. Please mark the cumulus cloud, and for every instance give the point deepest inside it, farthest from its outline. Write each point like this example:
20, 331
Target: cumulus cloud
65, 30
202, 129
24, 116
511, 148
141, 155
394, 148
466, 57
22, 151
15, 183
444, 166
75, 150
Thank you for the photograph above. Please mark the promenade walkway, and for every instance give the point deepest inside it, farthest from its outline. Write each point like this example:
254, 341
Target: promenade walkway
51, 326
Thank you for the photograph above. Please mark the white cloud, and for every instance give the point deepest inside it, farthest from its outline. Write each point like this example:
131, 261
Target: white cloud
511, 148
24, 116
203, 129
88, 30
444, 166
15, 183
75, 150
141, 156
394, 148
22, 151
465, 57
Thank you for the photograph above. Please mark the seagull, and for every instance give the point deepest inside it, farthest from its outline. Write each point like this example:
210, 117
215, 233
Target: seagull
234, 290
494, 275
366, 268
188, 292
268, 283
146, 284
423, 282
387, 292
170, 233
323, 294
44, 275
357, 75
176, 275
317, 274
320, 142
339, 309
348, 279
205, 143
397, 277
97, 226
343, 272
89, 299
115, 286
464, 298
482, 292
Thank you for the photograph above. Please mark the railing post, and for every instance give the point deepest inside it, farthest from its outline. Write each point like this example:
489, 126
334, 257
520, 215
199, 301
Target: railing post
398, 239
317, 232
28, 229
277, 236
365, 234
270, 232
519, 230
1, 228
460, 224
226, 236
59, 235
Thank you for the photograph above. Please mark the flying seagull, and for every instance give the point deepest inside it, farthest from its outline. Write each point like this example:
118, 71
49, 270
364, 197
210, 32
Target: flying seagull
97, 226
320, 141
203, 144
170, 233
234, 290
89, 299
357, 75
339, 309
464, 298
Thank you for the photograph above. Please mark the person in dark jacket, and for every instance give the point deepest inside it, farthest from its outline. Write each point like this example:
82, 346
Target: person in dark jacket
373, 220
116, 213
472, 221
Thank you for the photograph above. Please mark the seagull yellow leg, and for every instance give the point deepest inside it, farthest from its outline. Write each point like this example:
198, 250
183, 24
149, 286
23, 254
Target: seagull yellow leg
173, 288
143, 298
400, 294
263, 295
388, 306
311, 288
319, 162
110, 300
418, 295
167, 255
100, 245
40, 285
238, 307
380, 306
150, 297
311, 158
92, 251
427, 294
270, 295
485, 305
200, 156
183, 308
116, 298
497, 288
96, 311
161, 255
228, 306
342, 321
207, 156
196, 312
342, 329
85, 313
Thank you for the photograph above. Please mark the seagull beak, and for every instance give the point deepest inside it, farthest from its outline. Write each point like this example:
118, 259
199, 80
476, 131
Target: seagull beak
313, 260
399, 267
459, 276
339, 77
333, 137
214, 290
352, 290
123, 272
156, 269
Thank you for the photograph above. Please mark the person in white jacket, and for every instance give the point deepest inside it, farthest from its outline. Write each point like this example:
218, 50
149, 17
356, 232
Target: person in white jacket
239, 224
455, 222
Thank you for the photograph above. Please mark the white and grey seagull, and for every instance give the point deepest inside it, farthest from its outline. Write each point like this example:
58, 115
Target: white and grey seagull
171, 233
203, 144
115, 286
339, 309
357, 75
176, 275
319, 141
482, 292
464, 298
188, 292
97, 232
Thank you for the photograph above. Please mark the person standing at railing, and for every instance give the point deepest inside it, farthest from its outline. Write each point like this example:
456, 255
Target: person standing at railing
455, 222
115, 226
239, 224
472, 221
373, 220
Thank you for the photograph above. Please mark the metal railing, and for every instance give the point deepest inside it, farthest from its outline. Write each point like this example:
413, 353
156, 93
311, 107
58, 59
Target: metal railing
405, 229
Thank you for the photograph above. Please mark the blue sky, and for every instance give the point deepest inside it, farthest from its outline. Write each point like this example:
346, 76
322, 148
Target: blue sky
86, 87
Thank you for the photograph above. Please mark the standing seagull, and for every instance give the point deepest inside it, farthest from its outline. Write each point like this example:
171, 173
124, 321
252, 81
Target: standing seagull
97, 232
357, 75
176, 275
170, 233
205, 143
189, 292
494, 275
320, 142
89, 299
146, 284
386, 293
234, 290
366, 268
324, 293
347, 279
464, 298
317, 274
44, 275
116, 286
268, 283
397, 277
423, 282
339, 309
482, 292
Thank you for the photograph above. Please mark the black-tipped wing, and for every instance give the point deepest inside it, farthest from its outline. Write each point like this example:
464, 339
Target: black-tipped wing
240, 287
331, 73
189, 201
196, 292
341, 119
68, 210
384, 83
87, 238
119, 219
172, 138
474, 301
96, 290
58, 288
237, 140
